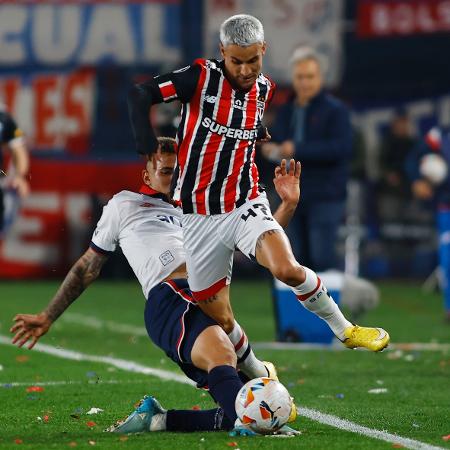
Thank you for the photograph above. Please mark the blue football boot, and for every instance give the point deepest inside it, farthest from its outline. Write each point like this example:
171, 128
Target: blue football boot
140, 419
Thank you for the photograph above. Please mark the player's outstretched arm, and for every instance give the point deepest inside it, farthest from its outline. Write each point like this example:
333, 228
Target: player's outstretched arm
178, 85
30, 327
287, 185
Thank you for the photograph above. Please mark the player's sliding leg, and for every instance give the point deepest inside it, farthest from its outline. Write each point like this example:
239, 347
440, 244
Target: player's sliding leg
273, 251
151, 416
213, 353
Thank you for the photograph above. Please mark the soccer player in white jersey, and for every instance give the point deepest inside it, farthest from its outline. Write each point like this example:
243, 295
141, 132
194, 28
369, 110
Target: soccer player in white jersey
146, 225
223, 103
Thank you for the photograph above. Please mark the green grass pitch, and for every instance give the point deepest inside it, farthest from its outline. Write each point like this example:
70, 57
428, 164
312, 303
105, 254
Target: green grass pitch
416, 404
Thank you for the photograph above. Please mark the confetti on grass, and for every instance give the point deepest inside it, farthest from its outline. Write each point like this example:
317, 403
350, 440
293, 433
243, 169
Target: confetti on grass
35, 389
22, 358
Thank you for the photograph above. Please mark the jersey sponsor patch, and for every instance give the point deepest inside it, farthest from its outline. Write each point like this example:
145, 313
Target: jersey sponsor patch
222, 130
166, 258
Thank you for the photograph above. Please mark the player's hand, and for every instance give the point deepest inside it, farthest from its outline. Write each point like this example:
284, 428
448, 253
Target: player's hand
422, 189
20, 184
29, 327
287, 181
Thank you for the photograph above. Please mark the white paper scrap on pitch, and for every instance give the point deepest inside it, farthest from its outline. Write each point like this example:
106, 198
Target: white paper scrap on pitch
377, 391
95, 411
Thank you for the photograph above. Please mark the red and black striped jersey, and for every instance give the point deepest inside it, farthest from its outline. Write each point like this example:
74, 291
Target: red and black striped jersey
216, 136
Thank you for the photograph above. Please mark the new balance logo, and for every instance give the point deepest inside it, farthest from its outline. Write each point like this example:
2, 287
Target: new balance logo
238, 104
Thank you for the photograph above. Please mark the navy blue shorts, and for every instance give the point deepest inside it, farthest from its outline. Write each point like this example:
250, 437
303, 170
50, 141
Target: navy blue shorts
174, 322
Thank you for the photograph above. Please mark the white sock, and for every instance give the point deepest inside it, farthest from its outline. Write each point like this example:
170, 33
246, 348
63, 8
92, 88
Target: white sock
313, 295
247, 361
158, 422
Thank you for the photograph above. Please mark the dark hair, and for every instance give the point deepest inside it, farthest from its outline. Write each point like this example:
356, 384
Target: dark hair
168, 144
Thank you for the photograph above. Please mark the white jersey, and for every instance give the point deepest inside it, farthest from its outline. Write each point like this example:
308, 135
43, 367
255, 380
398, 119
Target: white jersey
148, 230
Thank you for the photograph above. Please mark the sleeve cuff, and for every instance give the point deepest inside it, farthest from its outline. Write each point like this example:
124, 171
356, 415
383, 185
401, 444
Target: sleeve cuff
97, 249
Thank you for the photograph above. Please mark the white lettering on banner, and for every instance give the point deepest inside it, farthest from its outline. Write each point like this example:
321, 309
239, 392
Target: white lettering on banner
51, 230
382, 18
55, 111
12, 23
85, 33
153, 29
17, 247
55, 33
110, 35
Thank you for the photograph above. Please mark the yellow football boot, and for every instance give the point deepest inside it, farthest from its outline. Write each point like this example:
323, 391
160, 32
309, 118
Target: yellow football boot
375, 339
293, 414
271, 370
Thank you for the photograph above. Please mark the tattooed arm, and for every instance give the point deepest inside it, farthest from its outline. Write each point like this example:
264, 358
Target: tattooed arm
80, 276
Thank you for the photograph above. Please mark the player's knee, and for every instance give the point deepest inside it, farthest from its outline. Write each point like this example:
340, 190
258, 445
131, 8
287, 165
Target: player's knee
290, 273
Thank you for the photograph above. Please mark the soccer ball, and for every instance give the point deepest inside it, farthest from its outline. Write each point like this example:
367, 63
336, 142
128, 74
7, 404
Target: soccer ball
264, 405
434, 168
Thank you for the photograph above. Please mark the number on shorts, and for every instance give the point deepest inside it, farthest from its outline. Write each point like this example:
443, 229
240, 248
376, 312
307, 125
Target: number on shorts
252, 213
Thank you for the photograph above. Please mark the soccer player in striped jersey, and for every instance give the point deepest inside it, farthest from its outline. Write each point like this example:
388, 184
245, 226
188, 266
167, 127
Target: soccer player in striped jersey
223, 103
147, 227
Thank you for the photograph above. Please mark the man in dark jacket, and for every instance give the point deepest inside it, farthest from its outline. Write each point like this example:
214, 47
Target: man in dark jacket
314, 128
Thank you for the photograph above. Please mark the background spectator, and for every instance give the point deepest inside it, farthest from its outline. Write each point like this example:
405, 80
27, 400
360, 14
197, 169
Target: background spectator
15, 179
314, 127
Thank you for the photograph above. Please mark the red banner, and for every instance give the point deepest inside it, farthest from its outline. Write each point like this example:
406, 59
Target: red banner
380, 18
54, 110
54, 223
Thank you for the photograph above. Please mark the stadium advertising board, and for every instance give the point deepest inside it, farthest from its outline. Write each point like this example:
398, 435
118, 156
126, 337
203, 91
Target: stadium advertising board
53, 225
80, 33
379, 18
54, 110
287, 24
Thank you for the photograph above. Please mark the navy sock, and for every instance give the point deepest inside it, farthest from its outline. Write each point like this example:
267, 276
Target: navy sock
224, 384
186, 421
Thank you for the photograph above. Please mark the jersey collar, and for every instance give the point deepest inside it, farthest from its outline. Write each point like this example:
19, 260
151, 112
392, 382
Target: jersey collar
147, 190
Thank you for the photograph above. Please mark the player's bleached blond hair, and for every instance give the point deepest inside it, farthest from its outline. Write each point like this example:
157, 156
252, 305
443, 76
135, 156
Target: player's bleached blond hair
243, 30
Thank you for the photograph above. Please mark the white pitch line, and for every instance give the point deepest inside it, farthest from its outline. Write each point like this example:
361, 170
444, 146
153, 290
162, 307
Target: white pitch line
346, 425
123, 364
99, 324
65, 383
406, 346
312, 414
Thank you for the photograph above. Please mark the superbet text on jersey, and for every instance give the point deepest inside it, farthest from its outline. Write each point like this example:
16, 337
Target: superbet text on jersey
216, 136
